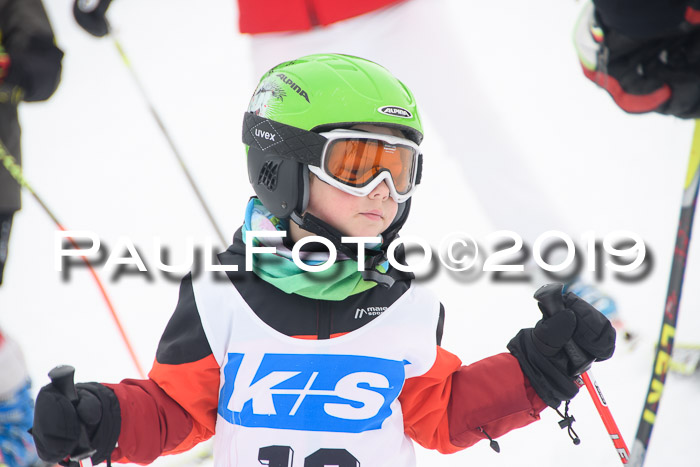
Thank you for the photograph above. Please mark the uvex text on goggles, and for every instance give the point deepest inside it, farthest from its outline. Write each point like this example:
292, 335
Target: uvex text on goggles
350, 160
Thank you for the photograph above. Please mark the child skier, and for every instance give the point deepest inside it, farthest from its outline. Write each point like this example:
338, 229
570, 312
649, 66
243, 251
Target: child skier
339, 367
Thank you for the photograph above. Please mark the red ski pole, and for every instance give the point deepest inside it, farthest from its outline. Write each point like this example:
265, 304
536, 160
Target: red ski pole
550, 298
9, 162
606, 415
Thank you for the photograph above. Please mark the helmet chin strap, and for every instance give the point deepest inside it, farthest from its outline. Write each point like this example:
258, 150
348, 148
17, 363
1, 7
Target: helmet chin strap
373, 258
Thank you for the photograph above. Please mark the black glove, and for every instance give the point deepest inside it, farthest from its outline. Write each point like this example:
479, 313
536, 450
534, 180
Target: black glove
541, 354
90, 15
647, 57
57, 423
35, 68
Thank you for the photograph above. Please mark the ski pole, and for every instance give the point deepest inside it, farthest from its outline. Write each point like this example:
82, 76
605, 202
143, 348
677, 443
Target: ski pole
15, 171
165, 132
605, 415
62, 379
170, 141
664, 348
550, 298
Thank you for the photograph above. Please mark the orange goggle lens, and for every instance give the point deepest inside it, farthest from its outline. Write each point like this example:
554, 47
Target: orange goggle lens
356, 162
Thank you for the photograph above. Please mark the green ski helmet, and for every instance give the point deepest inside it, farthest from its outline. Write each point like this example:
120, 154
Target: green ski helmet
297, 100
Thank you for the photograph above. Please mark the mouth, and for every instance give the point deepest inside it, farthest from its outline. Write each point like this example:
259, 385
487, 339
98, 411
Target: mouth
374, 214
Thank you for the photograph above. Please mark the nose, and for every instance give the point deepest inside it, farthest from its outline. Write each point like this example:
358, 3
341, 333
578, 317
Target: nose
380, 192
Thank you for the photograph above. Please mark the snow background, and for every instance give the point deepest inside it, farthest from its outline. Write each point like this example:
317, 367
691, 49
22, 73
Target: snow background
96, 156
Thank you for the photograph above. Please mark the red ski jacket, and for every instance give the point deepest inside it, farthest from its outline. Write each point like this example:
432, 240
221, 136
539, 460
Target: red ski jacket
448, 408
261, 16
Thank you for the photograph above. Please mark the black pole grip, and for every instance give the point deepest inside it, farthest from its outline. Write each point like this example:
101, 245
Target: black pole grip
551, 301
62, 379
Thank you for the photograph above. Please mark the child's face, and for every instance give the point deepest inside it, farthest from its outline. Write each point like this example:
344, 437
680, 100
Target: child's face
355, 216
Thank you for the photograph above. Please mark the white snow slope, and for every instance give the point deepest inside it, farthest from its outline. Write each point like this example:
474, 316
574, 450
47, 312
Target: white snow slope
97, 157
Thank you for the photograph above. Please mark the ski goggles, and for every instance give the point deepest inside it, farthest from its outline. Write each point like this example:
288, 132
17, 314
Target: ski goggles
357, 161
351, 160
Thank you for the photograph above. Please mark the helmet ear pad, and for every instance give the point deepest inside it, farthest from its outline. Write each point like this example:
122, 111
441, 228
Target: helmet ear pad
282, 185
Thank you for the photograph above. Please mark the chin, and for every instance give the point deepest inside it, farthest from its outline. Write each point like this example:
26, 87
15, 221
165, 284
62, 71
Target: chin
372, 233
368, 230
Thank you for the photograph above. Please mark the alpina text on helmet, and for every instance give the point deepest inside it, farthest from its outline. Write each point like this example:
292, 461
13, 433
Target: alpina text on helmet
295, 87
395, 111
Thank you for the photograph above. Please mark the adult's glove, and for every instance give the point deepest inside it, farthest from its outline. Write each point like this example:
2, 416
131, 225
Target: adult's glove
58, 423
542, 354
647, 58
90, 15
34, 69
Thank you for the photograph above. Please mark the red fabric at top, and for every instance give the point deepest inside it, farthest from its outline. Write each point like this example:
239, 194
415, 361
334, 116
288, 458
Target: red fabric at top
261, 16
692, 16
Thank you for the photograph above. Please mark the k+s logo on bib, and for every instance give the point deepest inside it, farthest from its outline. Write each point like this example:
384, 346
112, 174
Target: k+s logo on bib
311, 392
